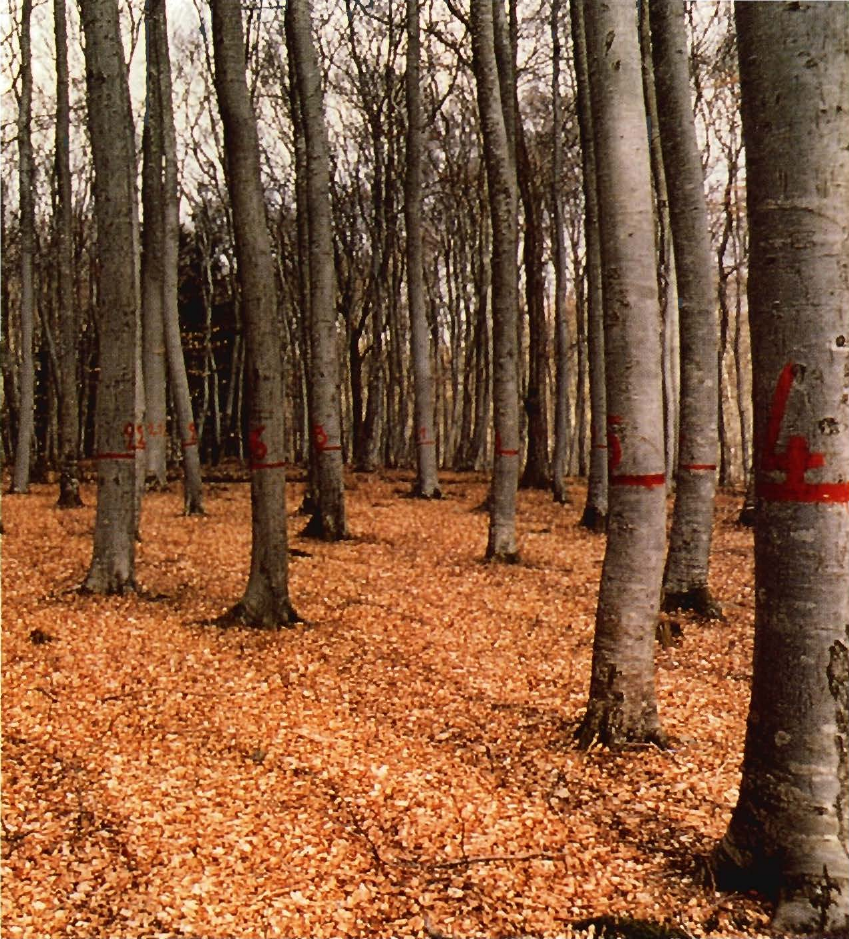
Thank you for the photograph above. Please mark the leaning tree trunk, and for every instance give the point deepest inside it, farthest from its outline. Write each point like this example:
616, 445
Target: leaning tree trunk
685, 580
266, 599
26, 420
789, 834
152, 270
595, 510
329, 521
117, 435
427, 481
622, 704
501, 181
69, 421
192, 488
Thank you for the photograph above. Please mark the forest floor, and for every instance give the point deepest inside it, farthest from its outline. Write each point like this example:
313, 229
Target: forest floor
403, 765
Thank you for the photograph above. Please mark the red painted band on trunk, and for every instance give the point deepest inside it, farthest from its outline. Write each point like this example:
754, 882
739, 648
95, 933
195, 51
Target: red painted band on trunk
507, 452
116, 456
645, 481
695, 467
425, 443
599, 446
261, 466
191, 443
802, 492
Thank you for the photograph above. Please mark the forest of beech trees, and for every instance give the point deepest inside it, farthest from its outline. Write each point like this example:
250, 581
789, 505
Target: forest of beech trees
541, 241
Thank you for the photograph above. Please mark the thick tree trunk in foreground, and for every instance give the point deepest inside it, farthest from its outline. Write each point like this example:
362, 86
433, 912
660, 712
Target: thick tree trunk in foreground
686, 575
622, 704
595, 511
69, 422
117, 434
789, 834
192, 487
427, 482
329, 521
266, 599
26, 180
501, 180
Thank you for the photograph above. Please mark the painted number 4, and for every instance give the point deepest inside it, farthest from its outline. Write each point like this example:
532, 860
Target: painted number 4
795, 459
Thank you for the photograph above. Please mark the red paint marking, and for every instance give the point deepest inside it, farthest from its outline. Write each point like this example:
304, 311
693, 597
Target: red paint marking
333, 447
193, 437
500, 451
796, 459
189, 443
320, 437
257, 448
141, 443
644, 481
262, 466
698, 467
425, 443
615, 455
115, 456
422, 439
599, 446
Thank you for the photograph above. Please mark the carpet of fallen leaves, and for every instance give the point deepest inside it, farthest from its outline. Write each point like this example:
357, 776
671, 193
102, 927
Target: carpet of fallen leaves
401, 766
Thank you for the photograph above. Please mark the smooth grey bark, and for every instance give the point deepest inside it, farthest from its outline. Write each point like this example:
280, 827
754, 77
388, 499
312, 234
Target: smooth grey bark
685, 581
187, 430
26, 182
112, 567
265, 602
789, 834
501, 182
68, 332
562, 423
594, 515
622, 704
427, 482
666, 278
329, 521
152, 268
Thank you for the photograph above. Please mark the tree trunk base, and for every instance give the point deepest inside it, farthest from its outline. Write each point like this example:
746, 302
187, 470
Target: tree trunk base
560, 494
243, 614
502, 557
804, 904
417, 492
593, 520
309, 504
604, 725
535, 478
315, 528
69, 491
697, 600
747, 515
104, 584
155, 484
194, 507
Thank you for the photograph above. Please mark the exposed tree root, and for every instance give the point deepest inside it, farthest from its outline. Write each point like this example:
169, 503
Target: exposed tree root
697, 600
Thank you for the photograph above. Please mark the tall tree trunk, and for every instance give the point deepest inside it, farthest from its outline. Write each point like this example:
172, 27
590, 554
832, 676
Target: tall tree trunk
622, 704
329, 522
666, 280
26, 179
789, 835
152, 269
68, 332
427, 481
685, 580
594, 515
116, 429
192, 487
266, 600
562, 421
501, 181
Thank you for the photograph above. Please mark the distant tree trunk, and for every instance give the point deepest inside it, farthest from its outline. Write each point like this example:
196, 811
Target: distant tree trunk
329, 521
192, 487
595, 511
266, 600
116, 429
622, 704
26, 171
667, 283
686, 575
788, 835
501, 179
69, 420
561, 324
427, 482
152, 268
